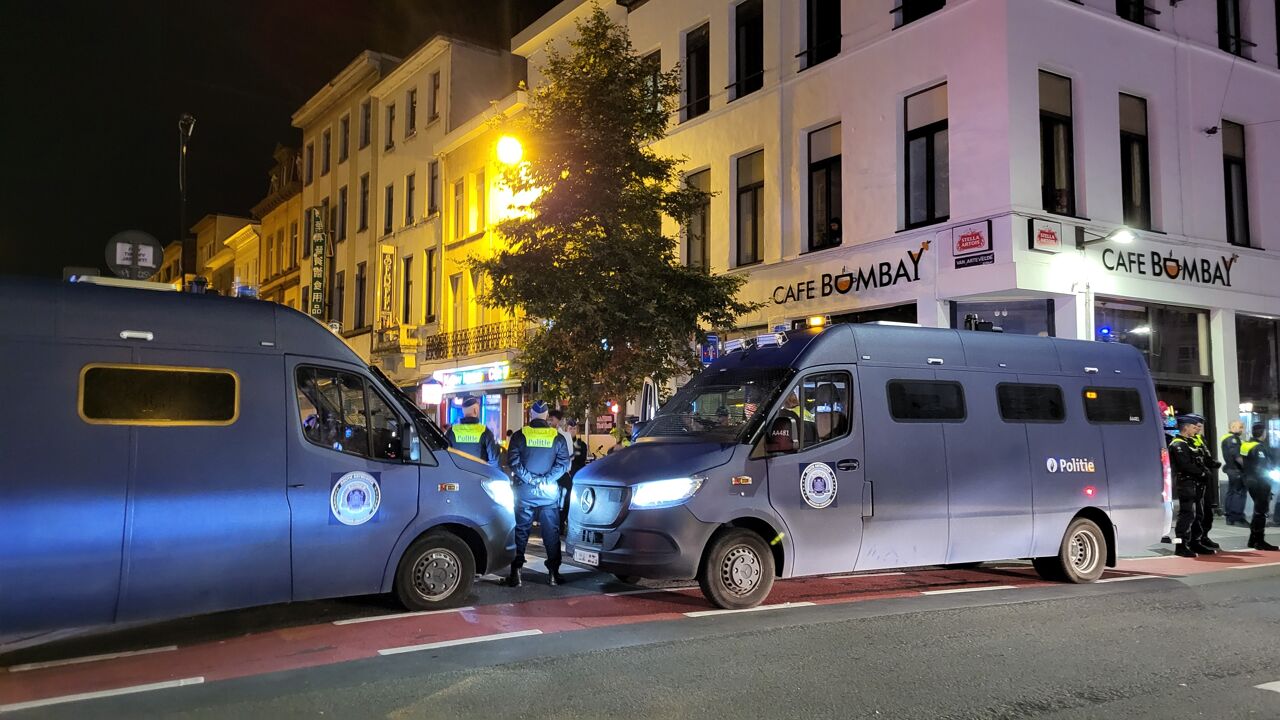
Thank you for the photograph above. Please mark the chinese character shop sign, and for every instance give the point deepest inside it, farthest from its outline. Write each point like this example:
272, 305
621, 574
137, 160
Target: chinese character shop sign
865, 277
319, 250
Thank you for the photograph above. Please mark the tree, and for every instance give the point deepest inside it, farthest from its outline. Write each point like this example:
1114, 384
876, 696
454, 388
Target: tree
587, 258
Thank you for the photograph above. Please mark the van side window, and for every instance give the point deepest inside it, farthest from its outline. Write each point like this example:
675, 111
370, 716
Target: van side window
158, 395
339, 411
1030, 403
1112, 405
926, 401
814, 412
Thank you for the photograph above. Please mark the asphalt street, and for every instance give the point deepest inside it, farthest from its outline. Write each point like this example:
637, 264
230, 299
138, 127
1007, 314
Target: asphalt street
1162, 638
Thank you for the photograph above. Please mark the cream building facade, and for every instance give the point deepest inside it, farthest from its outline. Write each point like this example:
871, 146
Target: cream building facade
281, 250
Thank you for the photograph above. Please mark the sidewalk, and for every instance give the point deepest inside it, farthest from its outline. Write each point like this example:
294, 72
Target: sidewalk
1230, 537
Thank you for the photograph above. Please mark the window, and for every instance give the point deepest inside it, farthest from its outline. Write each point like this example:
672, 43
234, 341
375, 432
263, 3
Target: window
1258, 364
697, 231
1229, 28
909, 11
748, 37
364, 203
389, 206
1031, 403
339, 293
340, 411
409, 182
411, 112
1013, 317
1135, 170
928, 186
433, 100
285, 262
326, 145
309, 163
697, 72
406, 290
816, 411
824, 187
341, 230
455, 292
153, 395
271, 257
325, 215
926, 401
822, 31
389, 136
366, 123
750, 207
1057, 153
344, 138
1173, 340
1237, 186
1112, 405
459, 206
293, 244
480, 203
429, 294
653, 68
362, 279
433, 187
1135, 11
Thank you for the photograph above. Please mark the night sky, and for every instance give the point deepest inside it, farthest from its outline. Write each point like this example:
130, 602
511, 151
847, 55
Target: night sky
93, 91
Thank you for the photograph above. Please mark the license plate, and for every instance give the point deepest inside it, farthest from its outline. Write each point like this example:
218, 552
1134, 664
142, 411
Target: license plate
586, 557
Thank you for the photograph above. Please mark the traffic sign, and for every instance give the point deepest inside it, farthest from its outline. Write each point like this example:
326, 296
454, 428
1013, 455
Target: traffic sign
134, 255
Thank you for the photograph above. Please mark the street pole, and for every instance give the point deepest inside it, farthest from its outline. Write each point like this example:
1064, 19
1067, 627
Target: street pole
186, 123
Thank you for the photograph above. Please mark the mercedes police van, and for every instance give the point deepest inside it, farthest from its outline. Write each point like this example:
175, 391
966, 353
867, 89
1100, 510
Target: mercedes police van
168, 454
864, 447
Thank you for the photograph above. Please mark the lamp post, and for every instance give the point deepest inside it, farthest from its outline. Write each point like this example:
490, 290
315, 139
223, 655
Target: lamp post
1121, 235
186, 123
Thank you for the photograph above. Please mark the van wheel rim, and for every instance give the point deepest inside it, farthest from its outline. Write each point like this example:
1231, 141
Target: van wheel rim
741, 570
437, 574
1083, 551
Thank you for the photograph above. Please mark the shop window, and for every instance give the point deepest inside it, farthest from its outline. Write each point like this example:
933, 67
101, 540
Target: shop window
908, 11
1112, 405
824, 188
822, 31
1135, 162
748, 37
926, 401
928, 184
750, 202
340, 411
1258, 365
894, 313
1015, 317
155, 395
697, 231
1174, 341
1236, 181
1057, 151
697, 72
1030, 403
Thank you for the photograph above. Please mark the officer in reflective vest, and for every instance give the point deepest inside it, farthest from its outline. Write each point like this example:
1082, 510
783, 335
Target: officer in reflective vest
1209, 498
471, 436
1257, 478
538, 455
1189, 479
1233, 466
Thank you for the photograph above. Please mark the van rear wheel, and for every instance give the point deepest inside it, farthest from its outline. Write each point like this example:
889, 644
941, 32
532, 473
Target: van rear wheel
1081, 558
737, 570
435, 573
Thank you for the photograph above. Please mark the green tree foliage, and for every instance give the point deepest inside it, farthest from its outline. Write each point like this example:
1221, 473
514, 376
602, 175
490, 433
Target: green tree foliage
587, 258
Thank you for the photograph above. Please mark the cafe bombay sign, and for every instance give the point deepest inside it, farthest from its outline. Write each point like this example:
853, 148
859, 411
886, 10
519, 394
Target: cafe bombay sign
874, 275
1179, 266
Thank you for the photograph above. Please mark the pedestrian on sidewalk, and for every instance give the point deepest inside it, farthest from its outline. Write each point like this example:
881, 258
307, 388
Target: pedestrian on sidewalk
1209, 499
1257, 478
538, 456
1233, 466
1190, 480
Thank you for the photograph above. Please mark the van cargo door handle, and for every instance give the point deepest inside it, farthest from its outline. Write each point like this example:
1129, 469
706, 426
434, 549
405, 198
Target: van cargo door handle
297, 485
850, 464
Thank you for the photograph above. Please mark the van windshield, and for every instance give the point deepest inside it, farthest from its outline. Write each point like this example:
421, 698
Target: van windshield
718, 406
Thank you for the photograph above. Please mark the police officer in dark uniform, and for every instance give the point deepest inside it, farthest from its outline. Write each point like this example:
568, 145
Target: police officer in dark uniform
472, 437
1257, 479
1190, 479
1233, 466
538, 455
1209, 498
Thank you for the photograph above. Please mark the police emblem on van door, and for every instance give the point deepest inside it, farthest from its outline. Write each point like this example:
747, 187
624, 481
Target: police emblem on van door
355, 498
818, 485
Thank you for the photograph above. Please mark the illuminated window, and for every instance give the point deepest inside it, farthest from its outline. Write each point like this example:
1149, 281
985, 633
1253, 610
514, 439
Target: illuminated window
750, 207
156, 395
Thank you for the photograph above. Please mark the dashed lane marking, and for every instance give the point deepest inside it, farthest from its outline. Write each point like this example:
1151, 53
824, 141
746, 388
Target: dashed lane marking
758, 608
14, 707
375, 618
953, 591
645, 591
1255, 565
1272, 686
862, 575
1130, 577
462, 641
89, 658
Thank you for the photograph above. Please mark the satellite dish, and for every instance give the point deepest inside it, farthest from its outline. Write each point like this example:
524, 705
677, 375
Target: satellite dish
134, 255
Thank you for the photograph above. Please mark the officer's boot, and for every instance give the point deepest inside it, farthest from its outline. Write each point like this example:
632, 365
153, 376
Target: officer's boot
1206, 542
1200, 549
1182, 550
1258, 542
513, 580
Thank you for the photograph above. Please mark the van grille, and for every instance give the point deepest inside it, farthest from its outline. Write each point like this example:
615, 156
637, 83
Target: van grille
606, 510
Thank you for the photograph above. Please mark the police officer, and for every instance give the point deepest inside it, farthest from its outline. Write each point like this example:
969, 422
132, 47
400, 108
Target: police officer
1233, 466
1190, 479
1257, 479
538, 456
1209, 498
470, 436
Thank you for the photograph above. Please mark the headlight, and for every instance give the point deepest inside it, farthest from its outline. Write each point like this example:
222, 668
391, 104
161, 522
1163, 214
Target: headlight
664, 493
501, 492
1274, 474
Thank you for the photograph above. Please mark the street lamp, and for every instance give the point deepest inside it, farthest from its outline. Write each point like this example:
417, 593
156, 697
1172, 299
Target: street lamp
186, 123
1121, 235
510, 151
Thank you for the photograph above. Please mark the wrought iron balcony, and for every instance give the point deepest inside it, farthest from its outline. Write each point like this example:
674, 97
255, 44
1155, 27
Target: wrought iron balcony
491, 337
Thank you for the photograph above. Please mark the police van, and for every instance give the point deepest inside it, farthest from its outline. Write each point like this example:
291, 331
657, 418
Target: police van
169, 454
864, 447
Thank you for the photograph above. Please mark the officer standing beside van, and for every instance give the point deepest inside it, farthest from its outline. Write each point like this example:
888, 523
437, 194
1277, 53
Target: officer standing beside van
1257, 478
1209, 499
471, 436
1233, 466
538, 455
1190, 480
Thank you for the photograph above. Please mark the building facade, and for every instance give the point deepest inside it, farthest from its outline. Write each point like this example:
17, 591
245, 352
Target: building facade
281, 251
215, 261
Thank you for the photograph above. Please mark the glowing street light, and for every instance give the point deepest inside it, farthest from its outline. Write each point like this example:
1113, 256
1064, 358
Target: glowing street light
510, 151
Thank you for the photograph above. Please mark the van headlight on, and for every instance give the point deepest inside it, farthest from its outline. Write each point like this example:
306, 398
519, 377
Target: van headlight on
501, 492
1274, 475
664, 493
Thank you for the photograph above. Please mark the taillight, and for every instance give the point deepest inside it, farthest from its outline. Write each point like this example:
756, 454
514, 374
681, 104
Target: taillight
1167, 495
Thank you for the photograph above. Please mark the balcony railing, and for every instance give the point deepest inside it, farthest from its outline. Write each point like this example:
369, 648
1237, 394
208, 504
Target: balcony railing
492, 337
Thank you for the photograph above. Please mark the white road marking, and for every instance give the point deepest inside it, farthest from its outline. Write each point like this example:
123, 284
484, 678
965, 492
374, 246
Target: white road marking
862, 575
968, 590
1246, 567
1272, 686
758, 608
462, 641
89, 659
375, 618
1129, 577
14, 707
642, 591
1154, 557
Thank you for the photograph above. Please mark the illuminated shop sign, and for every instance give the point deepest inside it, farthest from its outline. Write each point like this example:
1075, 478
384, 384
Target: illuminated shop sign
497, 372
1171, 266
869, 276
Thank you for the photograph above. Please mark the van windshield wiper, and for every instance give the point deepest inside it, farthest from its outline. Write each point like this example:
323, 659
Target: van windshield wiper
426, 427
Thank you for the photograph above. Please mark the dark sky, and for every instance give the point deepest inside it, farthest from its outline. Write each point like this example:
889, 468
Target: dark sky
93, 91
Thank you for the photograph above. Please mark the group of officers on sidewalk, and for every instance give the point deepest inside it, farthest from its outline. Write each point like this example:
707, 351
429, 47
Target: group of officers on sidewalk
1195, 475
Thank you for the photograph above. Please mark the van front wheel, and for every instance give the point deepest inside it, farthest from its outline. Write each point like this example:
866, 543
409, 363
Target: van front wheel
1082, 556
737, 570
435, 573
